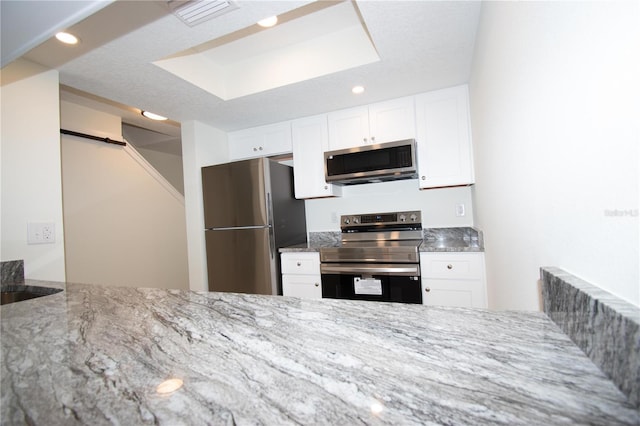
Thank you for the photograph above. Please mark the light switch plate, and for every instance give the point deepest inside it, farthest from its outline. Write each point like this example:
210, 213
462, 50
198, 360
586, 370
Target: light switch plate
459, 210
41, 233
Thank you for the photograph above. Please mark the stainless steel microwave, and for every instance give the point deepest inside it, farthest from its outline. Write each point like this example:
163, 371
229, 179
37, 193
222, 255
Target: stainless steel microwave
371, 163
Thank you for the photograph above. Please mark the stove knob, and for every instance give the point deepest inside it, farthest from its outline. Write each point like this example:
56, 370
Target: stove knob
346, 221
355, 220
402, 218
413, 218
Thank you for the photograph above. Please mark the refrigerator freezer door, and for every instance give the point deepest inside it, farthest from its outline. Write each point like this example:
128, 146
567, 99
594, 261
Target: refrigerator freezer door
234, 194
288, 214
240, 261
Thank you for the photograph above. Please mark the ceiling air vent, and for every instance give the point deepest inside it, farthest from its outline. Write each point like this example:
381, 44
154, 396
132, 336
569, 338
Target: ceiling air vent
194, 12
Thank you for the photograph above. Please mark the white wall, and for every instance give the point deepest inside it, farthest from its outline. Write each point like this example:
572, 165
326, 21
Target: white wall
437, 205
31, 187
202, 145
554, 109
124, 223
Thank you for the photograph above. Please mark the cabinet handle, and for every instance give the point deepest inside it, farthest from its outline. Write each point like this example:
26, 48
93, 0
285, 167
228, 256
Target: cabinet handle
326, 187
423, 177
373, 138
364, 140
427, 289
255, 149
298, 263
260, 148
317, 285
449, 266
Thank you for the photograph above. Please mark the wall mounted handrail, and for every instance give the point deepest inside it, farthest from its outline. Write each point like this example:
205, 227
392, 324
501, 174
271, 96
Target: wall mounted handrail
95, 138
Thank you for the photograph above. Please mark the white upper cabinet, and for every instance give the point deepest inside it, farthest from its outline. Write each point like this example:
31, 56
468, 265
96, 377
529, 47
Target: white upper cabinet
260, 141
438, 120
310, 141
393, 120
382, 122
444, 138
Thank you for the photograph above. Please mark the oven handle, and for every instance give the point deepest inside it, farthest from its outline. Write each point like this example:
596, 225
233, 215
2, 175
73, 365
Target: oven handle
379, 269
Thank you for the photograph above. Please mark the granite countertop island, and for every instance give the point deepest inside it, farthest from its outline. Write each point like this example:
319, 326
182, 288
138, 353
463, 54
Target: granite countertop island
96, 355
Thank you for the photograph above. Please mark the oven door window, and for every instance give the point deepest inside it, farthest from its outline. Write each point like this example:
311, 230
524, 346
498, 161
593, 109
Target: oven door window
380, 288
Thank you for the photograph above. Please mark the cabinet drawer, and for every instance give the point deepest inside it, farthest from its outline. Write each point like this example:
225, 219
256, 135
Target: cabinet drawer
451, 265
301, 263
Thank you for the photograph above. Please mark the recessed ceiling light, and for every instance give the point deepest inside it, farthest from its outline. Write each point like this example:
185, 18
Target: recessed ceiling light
357, 89
67, 38
268, 22
153, 116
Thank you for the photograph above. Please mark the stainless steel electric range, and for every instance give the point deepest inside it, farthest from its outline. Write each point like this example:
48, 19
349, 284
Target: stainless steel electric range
377, 260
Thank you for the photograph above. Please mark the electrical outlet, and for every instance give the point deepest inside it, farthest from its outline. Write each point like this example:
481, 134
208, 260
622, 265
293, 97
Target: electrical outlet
459, 210
49, 233
41, 233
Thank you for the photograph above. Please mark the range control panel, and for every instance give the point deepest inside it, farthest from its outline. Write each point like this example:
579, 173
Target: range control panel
381, 220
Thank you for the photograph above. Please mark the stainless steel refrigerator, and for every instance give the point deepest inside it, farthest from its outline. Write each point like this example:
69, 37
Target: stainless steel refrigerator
250, 211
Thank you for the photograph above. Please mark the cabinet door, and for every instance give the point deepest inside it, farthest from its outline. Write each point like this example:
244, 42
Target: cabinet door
260, 141
304, 286
310, 141
392, 120
444, 138
462, 293
245, 144
348, 128
276, 138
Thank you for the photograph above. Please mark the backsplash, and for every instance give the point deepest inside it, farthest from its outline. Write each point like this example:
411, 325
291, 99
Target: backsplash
605, 327
12, 271
324, 238
453, 238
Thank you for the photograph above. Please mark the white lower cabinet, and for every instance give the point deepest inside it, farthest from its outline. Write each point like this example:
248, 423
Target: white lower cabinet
453, 279
301, 274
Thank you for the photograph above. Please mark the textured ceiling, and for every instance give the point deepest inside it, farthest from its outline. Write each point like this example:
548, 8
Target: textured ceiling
423, 45
315, 43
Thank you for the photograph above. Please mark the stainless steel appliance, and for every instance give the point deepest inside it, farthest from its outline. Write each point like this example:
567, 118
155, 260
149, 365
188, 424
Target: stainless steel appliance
249, 212
377, 259
372, 163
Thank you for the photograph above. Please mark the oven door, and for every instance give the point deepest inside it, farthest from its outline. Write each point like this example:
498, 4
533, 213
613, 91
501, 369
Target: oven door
373, 281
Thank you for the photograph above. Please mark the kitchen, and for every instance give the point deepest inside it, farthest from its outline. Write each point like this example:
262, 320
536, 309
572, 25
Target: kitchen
527, 88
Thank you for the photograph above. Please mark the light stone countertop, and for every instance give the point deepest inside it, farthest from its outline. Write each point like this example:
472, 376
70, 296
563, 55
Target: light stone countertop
95, 355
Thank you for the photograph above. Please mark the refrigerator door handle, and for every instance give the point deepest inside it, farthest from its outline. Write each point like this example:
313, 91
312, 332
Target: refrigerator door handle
235, 228
272, 240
